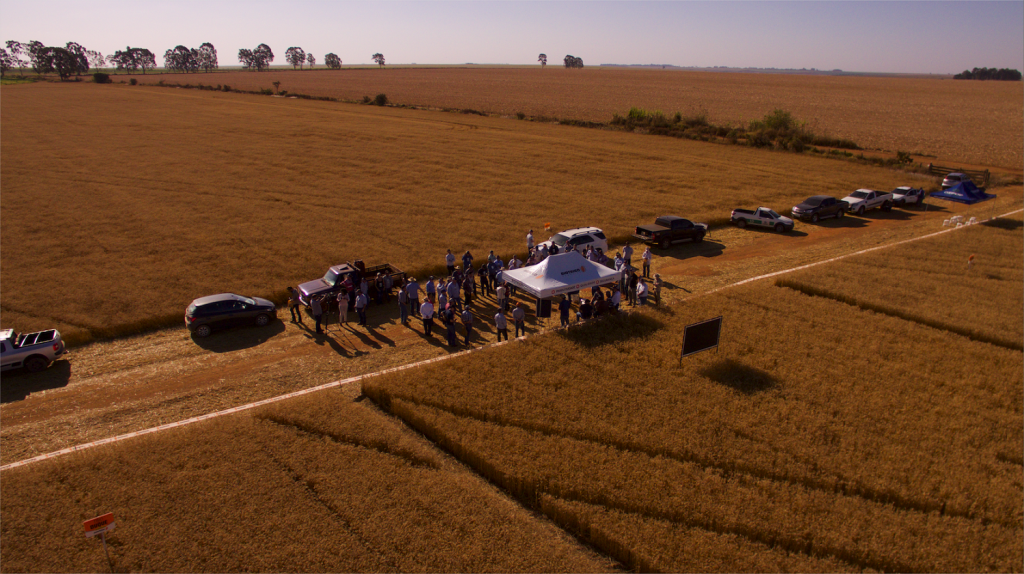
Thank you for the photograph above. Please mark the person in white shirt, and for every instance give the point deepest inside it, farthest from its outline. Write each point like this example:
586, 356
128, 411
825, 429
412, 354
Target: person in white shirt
646, 256
427, 314
641, 292
529, 240
449, 261
500, 295
342, 306
519, 316
361, 302
627, 254
413, 290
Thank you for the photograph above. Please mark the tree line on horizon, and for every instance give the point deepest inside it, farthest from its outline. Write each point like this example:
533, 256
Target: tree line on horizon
75, 59
1005, 74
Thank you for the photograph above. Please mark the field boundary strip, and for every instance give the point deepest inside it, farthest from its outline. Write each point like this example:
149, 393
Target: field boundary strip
357, 378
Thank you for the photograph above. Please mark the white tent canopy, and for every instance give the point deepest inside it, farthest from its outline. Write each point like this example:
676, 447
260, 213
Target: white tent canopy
560, 274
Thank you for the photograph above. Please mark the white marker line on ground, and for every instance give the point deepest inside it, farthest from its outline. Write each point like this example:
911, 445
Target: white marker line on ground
357, 378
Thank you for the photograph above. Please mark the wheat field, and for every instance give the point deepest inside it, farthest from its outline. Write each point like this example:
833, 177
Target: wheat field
955, 121
122, 204
820, 436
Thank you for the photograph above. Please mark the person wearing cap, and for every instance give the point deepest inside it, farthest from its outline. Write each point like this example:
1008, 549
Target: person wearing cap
519, 316
646, 257
413, 290
564, 306
657, 289
501, 324
361, 302
427, 314
449, 261
467, 261
442, 298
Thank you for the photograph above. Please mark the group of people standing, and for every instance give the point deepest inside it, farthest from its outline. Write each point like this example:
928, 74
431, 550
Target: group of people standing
449, 299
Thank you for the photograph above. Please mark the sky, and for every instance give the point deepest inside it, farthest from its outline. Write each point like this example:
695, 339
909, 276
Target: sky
860, 36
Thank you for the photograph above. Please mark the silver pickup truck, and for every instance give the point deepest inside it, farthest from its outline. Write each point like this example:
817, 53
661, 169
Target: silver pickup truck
865, 199
34, 351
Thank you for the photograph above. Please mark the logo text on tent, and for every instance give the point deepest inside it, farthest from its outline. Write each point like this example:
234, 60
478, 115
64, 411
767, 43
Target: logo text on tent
571, 271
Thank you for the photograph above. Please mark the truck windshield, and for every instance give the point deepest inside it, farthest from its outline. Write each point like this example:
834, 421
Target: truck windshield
331, 278
859, 194
559, 239
772, 213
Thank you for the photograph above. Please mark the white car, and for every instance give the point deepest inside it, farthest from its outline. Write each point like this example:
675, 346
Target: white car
865, 199
581, 238
906, 195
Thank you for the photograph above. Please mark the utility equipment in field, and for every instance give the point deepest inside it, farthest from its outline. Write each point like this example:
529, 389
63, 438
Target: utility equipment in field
701, 337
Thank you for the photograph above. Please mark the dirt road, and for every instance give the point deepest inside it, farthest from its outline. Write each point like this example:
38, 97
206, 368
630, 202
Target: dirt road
114, 387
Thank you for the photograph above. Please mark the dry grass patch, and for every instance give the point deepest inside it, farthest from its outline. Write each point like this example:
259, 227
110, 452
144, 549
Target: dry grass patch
973, 122
320, 484
152, 197
807, 433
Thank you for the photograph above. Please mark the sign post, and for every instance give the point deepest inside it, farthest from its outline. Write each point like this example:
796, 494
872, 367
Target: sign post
100, 526
700, 337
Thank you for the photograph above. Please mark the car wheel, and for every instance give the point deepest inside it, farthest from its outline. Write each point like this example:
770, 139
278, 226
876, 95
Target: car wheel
887, 206
36, 364
780, 228
262, 320
664, 244
814, 218
741, 223
840, 214
860, 211
203, 331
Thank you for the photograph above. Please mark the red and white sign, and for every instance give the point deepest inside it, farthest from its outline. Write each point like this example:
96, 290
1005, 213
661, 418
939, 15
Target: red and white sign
99, 525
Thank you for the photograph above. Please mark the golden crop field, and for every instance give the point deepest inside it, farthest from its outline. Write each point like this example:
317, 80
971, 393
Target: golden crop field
819, 437
325, 484
122, 204
956, 121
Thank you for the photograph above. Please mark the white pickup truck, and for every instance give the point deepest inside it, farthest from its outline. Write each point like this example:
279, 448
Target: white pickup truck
865, 199
34, 351
905, 195
762, 217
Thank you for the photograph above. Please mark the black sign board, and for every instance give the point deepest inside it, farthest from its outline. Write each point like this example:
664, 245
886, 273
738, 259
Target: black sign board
543, 307
701, 336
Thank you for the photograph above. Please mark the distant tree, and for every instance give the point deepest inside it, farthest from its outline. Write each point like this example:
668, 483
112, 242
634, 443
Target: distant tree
182, 59
262, 56
80, 57
311, 60
543, 59
295, 56
34, 51
60, 60
1005, 74
379, 59
573, 62
132, 59
6, 62
332, 61
207, 57
16, 51
245, 58
96, 59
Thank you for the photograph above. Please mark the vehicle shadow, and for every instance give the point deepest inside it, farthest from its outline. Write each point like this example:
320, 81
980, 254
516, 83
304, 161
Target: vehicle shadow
20, 383
1007, 224
683, 251
794, 233
239, 337
743, 378
846, 222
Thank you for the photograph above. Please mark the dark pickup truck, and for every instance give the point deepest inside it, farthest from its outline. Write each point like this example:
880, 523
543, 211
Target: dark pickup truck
336, 275
820, 207
669, 229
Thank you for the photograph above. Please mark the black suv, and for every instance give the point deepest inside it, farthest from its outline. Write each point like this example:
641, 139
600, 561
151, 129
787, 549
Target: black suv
820, 207
227, 310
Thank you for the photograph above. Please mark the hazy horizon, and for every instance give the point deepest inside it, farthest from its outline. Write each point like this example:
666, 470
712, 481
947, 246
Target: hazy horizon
869, 37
